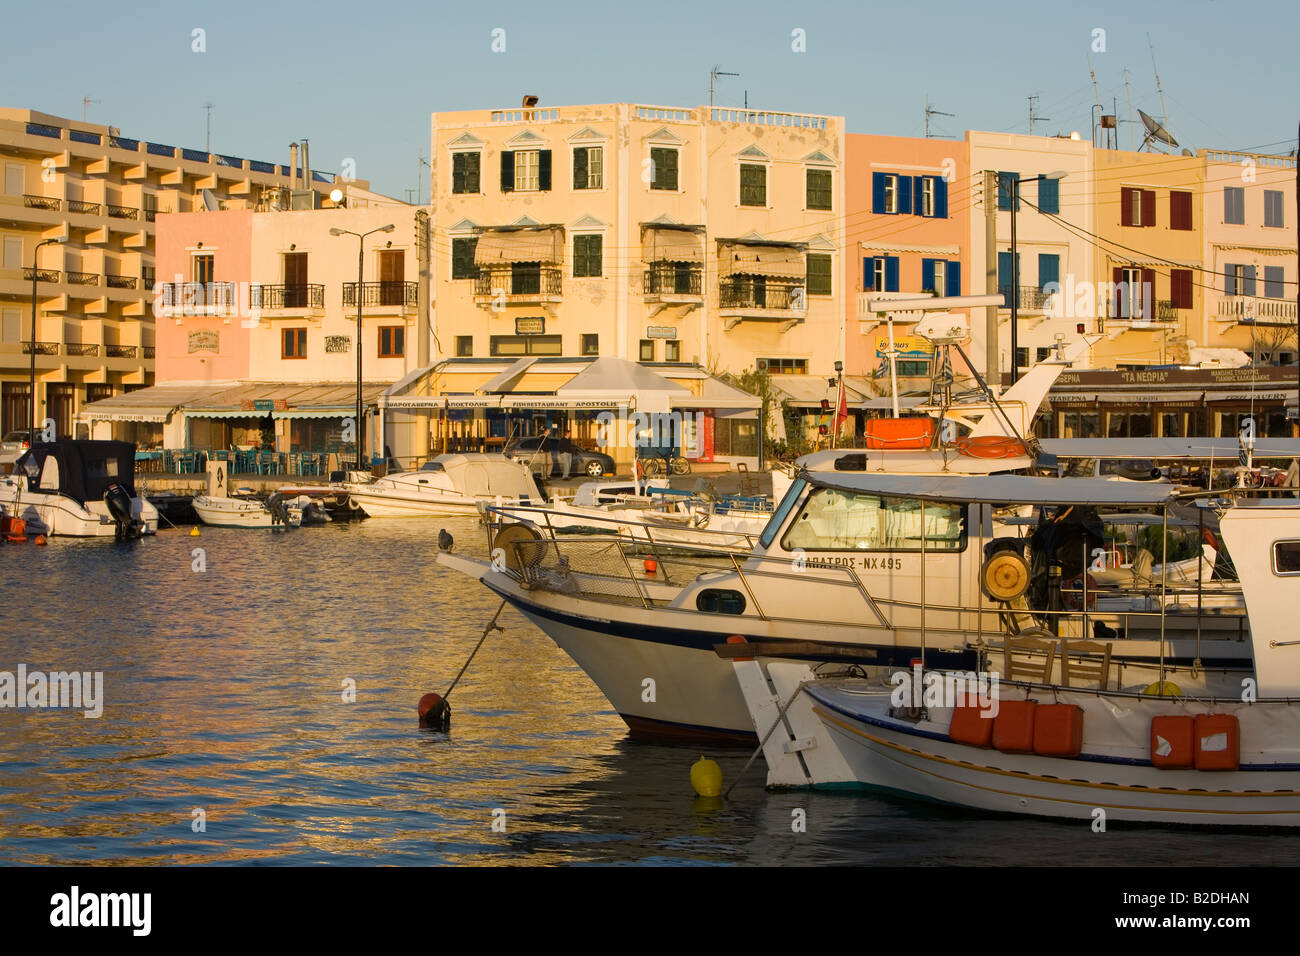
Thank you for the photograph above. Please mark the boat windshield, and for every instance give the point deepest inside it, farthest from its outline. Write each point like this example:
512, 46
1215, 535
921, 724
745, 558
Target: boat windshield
835, 520
782, 512
432, 466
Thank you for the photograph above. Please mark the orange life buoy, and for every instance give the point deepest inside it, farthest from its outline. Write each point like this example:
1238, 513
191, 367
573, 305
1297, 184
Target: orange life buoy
1072, 593
992, 446
1208, 537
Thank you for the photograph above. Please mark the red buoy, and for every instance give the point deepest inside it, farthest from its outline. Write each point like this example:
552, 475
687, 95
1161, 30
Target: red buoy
651, 565
435, 713
39, 539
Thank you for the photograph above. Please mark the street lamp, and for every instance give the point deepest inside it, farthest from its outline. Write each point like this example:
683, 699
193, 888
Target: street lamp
31, 395
361, 242
1016, 180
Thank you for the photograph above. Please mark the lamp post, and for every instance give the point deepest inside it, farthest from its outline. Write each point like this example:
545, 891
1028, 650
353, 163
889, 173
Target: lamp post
31, 395
361, 243
1015, 264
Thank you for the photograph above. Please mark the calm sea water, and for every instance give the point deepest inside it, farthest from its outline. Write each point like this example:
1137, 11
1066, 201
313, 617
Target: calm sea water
224, 693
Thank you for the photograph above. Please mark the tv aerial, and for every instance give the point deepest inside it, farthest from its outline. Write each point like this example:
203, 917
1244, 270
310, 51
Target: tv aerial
1155, 133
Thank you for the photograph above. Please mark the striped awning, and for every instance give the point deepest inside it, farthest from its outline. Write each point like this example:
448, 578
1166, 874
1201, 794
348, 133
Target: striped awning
761, 258
509, 244
670, 243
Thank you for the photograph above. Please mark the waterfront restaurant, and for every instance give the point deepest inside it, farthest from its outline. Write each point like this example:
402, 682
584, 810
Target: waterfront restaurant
470, 404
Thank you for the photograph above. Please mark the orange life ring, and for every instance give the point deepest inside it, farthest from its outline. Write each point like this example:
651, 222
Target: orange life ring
1072, 593
992, 446
1208, 537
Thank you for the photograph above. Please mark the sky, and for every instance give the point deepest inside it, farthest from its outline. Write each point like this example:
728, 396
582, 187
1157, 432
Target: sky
359, 80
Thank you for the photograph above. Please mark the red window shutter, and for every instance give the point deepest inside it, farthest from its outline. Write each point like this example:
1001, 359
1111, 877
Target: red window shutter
1180, 210
1148, 207
1148, 298
1117, 308
1125, 208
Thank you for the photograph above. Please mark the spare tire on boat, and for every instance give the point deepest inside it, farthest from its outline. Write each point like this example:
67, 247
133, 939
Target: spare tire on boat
520, 544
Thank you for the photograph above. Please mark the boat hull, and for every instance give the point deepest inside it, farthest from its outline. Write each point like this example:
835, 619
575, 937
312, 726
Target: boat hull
59, 515
237, 513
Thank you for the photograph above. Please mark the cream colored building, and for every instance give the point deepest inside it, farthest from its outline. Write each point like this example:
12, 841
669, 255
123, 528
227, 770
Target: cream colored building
99, 192
654, 234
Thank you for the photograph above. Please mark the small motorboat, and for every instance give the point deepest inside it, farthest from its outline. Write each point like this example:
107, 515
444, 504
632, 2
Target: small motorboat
451, 484
248, 512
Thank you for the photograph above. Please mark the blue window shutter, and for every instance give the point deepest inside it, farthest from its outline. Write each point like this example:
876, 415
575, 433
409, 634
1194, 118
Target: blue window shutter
1248, 281
927, 273
940, 197
868, 273
953, 285
1049, 196
1004, 270
891, 273
1049, 270
918, 201
878, 192
905, 194
1004, 189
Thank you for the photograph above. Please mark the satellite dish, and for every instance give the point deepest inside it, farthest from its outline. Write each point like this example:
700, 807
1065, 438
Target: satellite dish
1155, 131
210, 202
1188, 152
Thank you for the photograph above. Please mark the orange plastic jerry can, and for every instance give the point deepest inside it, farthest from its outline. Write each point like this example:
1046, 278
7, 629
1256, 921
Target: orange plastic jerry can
1173, 742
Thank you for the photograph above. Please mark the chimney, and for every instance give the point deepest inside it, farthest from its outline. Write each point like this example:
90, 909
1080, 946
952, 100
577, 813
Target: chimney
293, 165
306, 167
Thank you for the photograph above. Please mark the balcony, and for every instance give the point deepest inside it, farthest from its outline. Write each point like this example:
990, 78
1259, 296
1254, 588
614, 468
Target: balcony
765, 298
197, 298
524, 284
279, 298
120, 351
123, 212
1165, 311
1251, 310
674, 279
385, 296
85, 208
120, 282
42, 348
1030, 298
148, 351
81, 349
40, 275
42, 202
83, 278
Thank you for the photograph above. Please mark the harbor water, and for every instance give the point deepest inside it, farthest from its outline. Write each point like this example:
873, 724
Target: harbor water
259, 707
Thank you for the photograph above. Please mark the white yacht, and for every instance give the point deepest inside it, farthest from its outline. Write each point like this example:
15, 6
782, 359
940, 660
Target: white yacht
451, 484
248, 511
78, 488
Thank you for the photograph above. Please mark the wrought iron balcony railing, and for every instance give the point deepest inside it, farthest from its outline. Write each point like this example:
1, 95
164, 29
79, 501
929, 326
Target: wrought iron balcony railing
85, 208
83, 278
198, 298
761, 292
1165, 311
519, 284
306, 296
403, 294
148, 351
42, 348
120, 282
81, 348
42, 202
1031, 298
123, 212
120, 351
42, 275
673, 278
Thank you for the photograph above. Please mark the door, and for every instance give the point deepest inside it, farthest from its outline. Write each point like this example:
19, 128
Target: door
295, 280
392, 264
16, 410
60, 404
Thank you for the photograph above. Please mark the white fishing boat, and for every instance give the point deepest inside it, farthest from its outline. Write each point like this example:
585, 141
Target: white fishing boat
78, 488
1076, 748
451, 484
247, 512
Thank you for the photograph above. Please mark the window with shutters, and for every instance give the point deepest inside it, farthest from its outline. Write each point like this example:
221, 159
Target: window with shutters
202, 267
753, 185
891, 193
1180, 288
462, 258
587, 256
672, 350
1049, 196
1274, 282
1049, 272
464, 346
927, 195
465, 172
293, 344
1273, 216
392, 341
818, 274
647, 350
819, 189
1007, 189
527, 167
590, 343
1137, 207
663, 168
1234, 205
934, 276
1180, 209
588, 167
1238, 279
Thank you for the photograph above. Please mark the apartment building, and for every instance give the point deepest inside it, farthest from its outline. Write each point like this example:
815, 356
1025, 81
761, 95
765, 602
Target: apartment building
98, 194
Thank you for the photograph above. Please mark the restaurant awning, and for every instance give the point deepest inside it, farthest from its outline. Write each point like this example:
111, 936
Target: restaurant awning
762, 258
719, 395
615, 378
662, 242
499, 245
153, 404
809, 390
233, 400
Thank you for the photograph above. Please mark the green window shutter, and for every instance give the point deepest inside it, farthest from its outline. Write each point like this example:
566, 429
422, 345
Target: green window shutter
664, 163
458, 172
462, 259
472, 164
507, 172
753, 185
580, 168
818, 274
544, 170
819, 189
587, 256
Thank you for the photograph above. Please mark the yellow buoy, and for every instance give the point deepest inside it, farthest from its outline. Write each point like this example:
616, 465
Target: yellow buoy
194, 532
1165, 688
706, 777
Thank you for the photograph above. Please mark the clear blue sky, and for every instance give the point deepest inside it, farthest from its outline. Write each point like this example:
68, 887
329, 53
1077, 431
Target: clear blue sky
360, 79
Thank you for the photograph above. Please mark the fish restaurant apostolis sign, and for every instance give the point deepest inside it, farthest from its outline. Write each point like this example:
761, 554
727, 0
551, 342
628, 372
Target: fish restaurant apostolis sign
204, 340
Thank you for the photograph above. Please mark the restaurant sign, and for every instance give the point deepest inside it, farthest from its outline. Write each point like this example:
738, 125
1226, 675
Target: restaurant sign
661, 332
204, 340
530, 325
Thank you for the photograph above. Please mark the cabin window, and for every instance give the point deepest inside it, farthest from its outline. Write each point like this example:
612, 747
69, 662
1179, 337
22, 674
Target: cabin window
719, 601
782, 512
1286, 557
833, 520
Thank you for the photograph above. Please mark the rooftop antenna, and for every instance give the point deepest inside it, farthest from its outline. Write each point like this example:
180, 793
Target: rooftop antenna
1092, 72
713, 79
931, 112
1164, 114
1131, 142
85, 105
208, 106
1032, 117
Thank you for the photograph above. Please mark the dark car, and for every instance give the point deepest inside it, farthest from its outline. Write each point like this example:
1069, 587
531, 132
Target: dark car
541, 454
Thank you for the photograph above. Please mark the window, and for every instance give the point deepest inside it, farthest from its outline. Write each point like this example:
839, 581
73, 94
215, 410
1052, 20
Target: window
392, 341
1080, 424
1234, 205
1049, 196
647, 350
1180, 288
672, 350
464, 346
783, 366
1133, 293
13, 179
818, 275
508, 345
818, 189
526, 170
753, 185
1180, 209
663, 168
1137, 207
1022, 357
293, 344
13, 252
1043, 353
1006, 189
295, 280
462, 258
589, 167
203, 267
1238, 279
465, 172
880, 274
847, 521
1273, 216
719, 601
1286, 557
525, 278
926, 206
590, 343
885, 187
936, 275
1049, 272
1274, 282
587, 256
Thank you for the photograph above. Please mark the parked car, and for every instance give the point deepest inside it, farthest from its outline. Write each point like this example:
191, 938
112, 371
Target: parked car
540, 453
13, 445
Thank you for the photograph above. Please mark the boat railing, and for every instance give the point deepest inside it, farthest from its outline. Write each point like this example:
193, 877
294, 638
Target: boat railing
656, 535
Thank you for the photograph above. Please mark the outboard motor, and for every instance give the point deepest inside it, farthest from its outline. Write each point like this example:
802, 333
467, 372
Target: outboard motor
279, 510
118, 502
